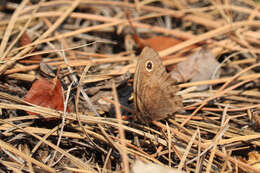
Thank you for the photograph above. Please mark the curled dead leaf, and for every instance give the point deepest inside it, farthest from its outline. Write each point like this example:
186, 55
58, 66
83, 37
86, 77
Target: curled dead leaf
46, 93
197, 67
23, 41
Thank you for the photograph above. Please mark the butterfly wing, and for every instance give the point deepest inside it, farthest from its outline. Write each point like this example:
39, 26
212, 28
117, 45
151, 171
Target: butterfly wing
159, 98
154, 90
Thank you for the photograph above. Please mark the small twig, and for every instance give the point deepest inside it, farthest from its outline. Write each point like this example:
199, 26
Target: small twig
62, 124
122, 150
218, 94
217, 138
187, 150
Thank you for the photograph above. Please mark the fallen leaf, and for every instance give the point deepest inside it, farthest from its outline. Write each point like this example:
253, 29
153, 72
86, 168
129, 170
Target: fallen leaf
158, 43
23, 41
46, 93
198, 67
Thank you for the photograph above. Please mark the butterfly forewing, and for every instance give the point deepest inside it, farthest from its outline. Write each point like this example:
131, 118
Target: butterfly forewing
154, 90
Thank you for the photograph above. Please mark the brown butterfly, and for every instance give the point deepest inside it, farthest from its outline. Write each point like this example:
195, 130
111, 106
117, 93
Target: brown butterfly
154, 90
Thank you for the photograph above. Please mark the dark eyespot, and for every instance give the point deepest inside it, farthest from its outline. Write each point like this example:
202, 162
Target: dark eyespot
149, 66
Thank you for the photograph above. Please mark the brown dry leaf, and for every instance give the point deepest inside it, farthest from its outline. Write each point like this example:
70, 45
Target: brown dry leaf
157, 43
25, 40
254, 159
197, 67
140, 167
46, 93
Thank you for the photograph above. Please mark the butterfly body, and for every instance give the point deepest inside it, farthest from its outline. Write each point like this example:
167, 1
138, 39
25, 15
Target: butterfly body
154, 90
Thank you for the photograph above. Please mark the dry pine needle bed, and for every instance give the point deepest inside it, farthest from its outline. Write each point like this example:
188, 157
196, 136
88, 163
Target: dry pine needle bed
129, 86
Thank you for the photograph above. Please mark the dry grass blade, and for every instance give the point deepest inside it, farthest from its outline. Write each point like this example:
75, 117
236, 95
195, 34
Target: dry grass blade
208, 35
121, 130
8, 147
89, 44
184, 157
10, 27
49, 31
75, 160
